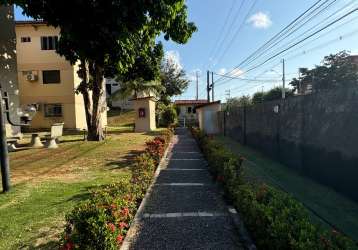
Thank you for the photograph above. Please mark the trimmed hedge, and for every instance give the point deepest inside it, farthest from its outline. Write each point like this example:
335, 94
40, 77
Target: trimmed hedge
102, 221
275, 220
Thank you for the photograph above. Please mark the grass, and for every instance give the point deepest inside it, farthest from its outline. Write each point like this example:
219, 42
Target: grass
117, 118
321, 200
49, 183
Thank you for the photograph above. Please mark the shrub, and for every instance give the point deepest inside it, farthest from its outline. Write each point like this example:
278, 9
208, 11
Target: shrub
155, 148
102, 221
274, 219
168, 116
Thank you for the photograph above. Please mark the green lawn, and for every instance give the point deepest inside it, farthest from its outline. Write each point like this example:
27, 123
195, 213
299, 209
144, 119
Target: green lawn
330, 205
49, 183
121, 118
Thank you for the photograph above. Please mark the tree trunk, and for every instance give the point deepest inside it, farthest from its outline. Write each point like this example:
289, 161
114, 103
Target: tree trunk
95, 133
93, 102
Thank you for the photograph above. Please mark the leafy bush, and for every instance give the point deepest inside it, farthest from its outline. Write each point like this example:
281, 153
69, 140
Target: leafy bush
168, 116
102, 221
155, 148
274, 219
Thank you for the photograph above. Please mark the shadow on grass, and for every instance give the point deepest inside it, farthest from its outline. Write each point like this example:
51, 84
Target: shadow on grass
154, 133
54, 244
125, 161
72, 140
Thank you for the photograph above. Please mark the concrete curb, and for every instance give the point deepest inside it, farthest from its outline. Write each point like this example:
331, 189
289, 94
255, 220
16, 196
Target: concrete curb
240, 227
132, 230
244, 235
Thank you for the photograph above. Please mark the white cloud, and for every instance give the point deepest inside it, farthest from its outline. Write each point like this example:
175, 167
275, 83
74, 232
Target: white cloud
236, 72
222, 71
173, 57
260, 20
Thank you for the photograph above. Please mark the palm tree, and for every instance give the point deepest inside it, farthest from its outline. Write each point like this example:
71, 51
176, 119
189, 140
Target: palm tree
137, 88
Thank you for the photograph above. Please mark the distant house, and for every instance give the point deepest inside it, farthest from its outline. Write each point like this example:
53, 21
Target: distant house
47, 79
354, 59
187, 110
111, 87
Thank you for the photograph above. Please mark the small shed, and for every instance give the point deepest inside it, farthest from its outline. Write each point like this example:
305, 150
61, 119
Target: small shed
208, 117
145, 114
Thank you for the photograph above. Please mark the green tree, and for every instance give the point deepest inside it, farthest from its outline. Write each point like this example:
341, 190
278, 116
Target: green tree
173, 80
337, 70
258, 97
107, 37
272, 94
143, 77
276, 93
241, 101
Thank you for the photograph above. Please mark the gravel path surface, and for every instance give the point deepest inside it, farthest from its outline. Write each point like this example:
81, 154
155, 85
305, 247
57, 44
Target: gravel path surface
184, 209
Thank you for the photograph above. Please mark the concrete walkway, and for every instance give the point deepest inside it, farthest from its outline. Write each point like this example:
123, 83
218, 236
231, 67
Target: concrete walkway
184, 210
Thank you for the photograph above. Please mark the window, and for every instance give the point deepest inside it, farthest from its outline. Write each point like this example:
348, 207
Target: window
51, 76
189, 110
25, 39
53, 110
194, 110
49, 42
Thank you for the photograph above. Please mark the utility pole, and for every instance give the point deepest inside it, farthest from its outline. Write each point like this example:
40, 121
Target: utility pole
197, 86
208, 85
4, 156
227, 93
212, 86
283, 80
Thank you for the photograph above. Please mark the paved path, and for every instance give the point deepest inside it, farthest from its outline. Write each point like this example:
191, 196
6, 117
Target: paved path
184, 209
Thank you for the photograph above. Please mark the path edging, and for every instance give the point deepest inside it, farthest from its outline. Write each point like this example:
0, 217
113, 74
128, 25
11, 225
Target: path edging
131, 232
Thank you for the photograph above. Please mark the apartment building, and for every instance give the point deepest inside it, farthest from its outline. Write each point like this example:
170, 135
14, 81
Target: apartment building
47, 79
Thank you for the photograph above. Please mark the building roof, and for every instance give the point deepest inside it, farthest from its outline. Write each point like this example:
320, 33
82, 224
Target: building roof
143, 98
31, 22
190, 102
208, 104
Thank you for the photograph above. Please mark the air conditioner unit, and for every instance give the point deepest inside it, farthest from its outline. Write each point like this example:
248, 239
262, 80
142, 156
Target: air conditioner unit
31, 76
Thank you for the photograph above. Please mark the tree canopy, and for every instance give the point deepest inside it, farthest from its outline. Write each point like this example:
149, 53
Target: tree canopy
337, 70
173, 79
109, 38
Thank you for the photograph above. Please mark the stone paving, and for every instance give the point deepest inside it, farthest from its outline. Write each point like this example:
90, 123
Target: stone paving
184, 209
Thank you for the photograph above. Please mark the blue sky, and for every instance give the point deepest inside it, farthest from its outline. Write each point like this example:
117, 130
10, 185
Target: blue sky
220, 48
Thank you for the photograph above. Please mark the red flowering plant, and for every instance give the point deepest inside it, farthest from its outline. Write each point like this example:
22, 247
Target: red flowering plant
102, 221
155, 148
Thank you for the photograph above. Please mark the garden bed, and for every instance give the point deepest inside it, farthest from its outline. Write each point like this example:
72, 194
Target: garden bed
103, 220
274, 219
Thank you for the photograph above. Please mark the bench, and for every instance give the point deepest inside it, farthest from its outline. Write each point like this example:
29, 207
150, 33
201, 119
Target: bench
11, 143
52, 138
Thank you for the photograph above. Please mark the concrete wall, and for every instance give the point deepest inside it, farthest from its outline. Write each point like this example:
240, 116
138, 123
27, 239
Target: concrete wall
315, 134
8, 66
208, 118
147, 123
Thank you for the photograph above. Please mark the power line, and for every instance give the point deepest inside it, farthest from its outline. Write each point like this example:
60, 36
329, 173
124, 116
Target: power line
275, 36
305, 32
237, 31
301, 54
304, 39
310, 18
219, 41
